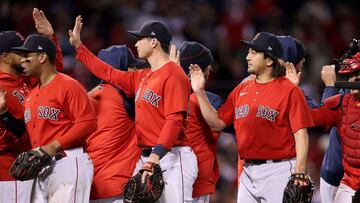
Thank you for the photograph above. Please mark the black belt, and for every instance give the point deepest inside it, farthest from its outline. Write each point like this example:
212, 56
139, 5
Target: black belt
261, 161
146, 151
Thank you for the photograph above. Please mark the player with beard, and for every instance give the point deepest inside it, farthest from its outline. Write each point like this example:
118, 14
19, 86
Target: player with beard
14, 87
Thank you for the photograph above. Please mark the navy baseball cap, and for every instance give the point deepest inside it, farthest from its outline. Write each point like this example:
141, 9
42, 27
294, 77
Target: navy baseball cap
121, 57
154, 29
293, 49
9, 40
38, 43
194, 53
300, 49
265, 42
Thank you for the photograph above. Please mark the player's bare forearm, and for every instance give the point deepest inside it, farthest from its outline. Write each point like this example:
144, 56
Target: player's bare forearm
52, 148
209, 113
302, 148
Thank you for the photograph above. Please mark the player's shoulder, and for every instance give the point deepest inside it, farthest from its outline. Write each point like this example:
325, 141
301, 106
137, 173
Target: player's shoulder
245, 84
285, 85
66, 81
175, 70
284, 82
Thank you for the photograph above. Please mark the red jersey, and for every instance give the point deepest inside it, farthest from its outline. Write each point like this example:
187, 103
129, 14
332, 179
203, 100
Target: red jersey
17, 88
265, 118
52, 110
203, 141
157, 94
112, 147
347, 120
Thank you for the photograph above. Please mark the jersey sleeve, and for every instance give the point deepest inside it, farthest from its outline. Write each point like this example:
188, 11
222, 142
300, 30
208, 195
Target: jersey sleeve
226, 111
79, 109
176, 94
123, 79
326, 115
299, 112
77, 103
59, 58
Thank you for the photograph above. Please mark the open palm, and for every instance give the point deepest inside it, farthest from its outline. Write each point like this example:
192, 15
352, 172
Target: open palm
197, 78
42, 24
74, 34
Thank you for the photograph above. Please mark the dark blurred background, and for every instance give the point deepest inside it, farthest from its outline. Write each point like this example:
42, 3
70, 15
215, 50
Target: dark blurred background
324, 26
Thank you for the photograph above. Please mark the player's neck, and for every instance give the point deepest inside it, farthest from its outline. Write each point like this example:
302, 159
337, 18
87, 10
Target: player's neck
47, 75
264, 77
158, 60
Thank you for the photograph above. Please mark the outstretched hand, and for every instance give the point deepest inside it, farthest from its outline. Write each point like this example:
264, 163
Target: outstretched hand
74, 34
197, 78
292, 74
42, 25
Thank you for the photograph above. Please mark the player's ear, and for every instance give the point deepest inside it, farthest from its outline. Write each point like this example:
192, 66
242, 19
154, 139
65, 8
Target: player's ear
43, 57
269, 61
154, 42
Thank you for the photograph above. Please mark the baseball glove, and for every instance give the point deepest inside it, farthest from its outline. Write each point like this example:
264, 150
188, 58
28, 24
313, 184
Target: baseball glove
137, 192
296, 193
28, 164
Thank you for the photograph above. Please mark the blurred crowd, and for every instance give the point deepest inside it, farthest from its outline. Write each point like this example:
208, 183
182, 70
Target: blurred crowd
324, 26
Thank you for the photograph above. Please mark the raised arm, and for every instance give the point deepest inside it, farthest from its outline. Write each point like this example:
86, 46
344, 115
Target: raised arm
123, 79
209, 113
328, 76
43, 26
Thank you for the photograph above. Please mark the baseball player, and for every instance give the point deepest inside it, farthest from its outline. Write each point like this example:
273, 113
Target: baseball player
13, 138
202, 139
58, 117
112, 147
343, 112
332, 170
161, 101
270, 118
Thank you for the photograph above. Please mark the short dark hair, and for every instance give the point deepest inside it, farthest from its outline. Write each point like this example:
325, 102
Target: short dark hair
278, 69
165, 47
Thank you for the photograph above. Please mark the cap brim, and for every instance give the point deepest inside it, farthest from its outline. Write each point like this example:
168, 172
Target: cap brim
252, 45
23, 49
137, 34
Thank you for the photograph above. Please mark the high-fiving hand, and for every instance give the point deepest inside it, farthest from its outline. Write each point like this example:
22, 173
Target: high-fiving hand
74, 34
174, 54
197, 78
42, 25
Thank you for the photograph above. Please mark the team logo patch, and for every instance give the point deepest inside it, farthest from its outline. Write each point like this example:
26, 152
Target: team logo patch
241, 111
266, 113
150, 97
